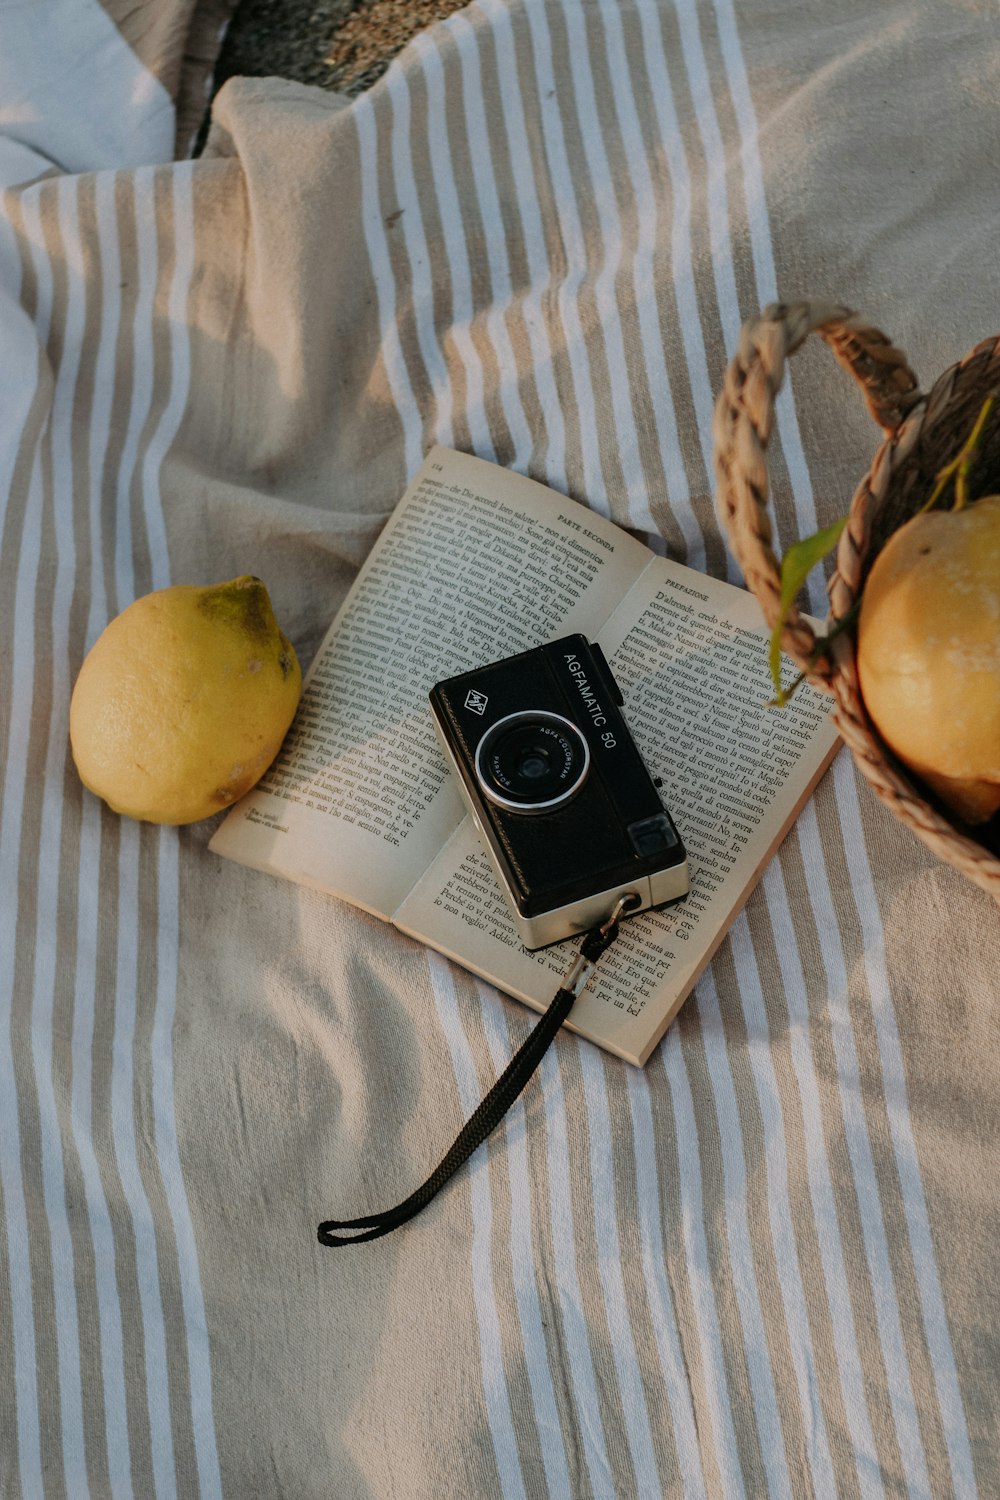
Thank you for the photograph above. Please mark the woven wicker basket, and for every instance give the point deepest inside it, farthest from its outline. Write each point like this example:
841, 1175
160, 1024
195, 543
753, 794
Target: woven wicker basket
922, 433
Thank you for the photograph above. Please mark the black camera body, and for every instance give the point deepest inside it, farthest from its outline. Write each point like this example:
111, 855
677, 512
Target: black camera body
568, 812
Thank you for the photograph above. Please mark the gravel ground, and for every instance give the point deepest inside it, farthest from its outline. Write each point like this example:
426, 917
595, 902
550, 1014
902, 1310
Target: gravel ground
338, 44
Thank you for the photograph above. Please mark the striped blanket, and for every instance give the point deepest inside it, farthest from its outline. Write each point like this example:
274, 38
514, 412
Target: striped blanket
764, 1265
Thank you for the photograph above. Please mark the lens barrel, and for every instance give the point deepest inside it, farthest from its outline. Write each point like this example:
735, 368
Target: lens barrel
532, 762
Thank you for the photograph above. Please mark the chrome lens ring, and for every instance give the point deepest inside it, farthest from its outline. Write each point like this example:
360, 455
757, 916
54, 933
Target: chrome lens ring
532, 762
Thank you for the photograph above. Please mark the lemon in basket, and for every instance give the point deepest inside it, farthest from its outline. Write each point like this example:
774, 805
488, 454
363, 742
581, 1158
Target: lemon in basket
184, 700
929, 652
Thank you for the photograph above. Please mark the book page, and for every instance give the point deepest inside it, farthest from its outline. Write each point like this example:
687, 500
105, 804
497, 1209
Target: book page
690, 655
475, 564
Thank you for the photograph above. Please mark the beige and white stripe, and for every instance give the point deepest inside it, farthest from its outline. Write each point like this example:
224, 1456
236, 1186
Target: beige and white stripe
758, 1267
70, 232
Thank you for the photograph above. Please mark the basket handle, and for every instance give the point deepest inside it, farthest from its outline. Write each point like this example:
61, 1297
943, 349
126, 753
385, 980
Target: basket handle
744, 420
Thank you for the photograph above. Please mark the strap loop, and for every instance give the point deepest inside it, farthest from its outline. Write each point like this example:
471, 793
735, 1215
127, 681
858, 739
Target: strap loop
499, 1099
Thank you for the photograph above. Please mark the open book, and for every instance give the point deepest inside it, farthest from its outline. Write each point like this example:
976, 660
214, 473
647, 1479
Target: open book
478, 563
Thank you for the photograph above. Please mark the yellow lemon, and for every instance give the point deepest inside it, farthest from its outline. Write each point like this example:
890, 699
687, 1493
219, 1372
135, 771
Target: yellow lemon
929, 652
183, 702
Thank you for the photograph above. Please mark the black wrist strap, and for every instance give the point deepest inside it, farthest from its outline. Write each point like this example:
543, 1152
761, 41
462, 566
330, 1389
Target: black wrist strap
496, 1103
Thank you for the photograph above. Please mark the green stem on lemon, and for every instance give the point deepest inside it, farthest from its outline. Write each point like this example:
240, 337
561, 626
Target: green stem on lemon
961, 465
968, 453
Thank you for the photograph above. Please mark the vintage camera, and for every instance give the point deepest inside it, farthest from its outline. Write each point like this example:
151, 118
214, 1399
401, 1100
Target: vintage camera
570, 817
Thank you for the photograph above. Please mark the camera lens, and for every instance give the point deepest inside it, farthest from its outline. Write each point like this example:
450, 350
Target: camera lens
532, 762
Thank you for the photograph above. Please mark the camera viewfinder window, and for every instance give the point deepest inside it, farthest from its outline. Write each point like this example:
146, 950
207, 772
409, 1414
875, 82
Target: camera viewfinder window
651, 835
